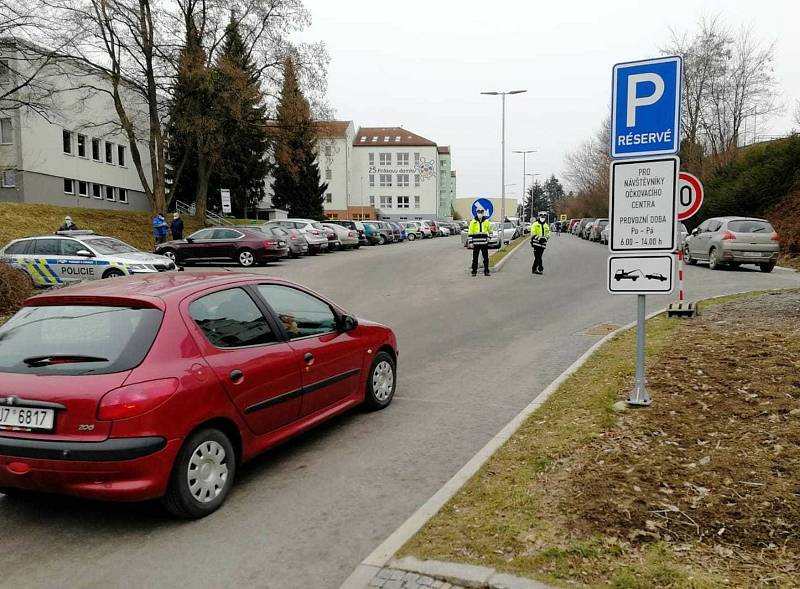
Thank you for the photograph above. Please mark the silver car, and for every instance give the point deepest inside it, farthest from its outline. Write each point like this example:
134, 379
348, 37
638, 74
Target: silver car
294, 238
348, 238
74, 256
314, 232
733, 241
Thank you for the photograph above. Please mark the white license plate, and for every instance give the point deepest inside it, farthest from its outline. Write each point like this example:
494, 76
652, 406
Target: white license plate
26, 418
752, 254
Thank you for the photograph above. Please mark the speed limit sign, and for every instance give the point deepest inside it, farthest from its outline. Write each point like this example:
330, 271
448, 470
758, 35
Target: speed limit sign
690, 195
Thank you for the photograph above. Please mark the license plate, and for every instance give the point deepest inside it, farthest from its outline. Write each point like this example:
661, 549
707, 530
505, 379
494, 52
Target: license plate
282, 243
752, 254
26, 418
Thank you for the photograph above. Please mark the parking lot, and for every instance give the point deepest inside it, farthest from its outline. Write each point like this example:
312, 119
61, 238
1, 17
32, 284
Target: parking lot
473, 352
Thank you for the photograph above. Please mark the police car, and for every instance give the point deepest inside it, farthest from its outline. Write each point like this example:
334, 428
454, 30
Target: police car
74, 256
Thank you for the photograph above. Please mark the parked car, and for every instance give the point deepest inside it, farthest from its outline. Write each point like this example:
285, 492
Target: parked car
391, 236
597, 229
526, 228
357, 226
296, 243
733, 241
444, 230
398, 231
333, 240
246, 247
98, 403
381, 234
434, 227
684, 233
413, 230
313, 230
604, 235
509, 231
587, 227
372, 233
347, 238
427, 232
74, 256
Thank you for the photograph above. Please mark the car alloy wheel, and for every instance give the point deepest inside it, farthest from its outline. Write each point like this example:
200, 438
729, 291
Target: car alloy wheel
411, 237
382, 381
169, 254
381, 240
713, 260
246, 258
687, 256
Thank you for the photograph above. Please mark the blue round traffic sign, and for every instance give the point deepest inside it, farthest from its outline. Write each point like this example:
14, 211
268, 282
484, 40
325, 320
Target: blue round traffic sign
485, 204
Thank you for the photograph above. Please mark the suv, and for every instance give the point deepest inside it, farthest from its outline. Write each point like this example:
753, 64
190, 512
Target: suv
378, 232
413, 230
74, 256
733, 241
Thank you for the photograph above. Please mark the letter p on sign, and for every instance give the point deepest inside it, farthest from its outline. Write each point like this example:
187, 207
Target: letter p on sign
635, 101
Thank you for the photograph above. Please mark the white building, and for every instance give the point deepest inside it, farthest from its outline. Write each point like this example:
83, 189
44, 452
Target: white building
79, 157
335, 166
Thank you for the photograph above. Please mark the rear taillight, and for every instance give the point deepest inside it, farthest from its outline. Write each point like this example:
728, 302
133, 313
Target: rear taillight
293, 237
270, 243
351, 234
775, 236
135, 399
727, 235
313, 232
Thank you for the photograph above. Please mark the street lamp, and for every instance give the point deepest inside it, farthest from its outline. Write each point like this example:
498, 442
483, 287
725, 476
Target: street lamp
530, 217
503, 149
524, 153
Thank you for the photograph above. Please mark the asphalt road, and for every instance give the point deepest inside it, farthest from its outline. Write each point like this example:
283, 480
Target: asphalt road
473, 352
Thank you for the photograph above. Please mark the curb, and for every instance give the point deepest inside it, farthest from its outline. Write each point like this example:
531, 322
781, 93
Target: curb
465, 575
501, 263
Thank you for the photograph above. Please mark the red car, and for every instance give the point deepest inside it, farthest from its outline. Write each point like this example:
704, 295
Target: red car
162, 385
225, 244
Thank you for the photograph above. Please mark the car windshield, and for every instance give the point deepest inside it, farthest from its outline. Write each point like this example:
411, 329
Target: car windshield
77, 339
750, 226
316, 225
108, 246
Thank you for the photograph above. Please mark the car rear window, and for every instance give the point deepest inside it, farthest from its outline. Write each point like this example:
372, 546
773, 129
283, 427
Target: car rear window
18, 248
77, 339
750, 226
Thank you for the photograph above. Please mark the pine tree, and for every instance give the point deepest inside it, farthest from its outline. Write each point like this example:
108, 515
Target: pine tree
243, 165
296, 186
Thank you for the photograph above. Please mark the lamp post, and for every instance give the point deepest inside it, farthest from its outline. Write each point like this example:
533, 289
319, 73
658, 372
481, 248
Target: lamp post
530, 217
524, 153
503, 149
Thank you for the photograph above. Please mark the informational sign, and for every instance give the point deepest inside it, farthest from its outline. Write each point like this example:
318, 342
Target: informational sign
484, 204
646, 107
642, 207
562, 218
641, 274
690, 195
225, 194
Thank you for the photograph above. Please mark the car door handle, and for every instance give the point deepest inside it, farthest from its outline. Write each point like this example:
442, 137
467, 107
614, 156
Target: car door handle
309, 358
236, 375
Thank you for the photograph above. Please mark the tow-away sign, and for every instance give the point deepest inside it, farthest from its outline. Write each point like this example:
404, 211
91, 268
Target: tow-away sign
642, 205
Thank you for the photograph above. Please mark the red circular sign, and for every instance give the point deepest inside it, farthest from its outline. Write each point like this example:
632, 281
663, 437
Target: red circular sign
690, 195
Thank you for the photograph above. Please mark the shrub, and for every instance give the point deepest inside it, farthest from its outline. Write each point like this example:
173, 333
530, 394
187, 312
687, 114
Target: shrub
15, 287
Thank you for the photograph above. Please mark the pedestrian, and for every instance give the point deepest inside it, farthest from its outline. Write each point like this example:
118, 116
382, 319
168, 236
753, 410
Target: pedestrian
558, 227
176, 227
540, 231
478, 233
68, 225
159, 229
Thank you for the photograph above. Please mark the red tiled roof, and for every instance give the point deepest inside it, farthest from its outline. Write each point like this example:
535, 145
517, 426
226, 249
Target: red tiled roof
389, 136
332, 128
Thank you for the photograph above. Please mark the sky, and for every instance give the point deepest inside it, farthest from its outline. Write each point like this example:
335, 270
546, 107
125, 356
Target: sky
421, 64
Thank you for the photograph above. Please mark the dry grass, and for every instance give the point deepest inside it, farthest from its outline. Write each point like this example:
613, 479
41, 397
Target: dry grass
15, 287
495, 258
698, 491
20, 220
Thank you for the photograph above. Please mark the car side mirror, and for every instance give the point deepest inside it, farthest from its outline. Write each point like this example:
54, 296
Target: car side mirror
348, 323
189, 240
695, 231
84, 253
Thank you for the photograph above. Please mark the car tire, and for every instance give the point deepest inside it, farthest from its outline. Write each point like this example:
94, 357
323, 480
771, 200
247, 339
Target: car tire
381, 382
687, 256
171, 254
357, 247
381, 240
411, 237
713, 261
208, 453
767, 268
294, 255
245, 258
113, 273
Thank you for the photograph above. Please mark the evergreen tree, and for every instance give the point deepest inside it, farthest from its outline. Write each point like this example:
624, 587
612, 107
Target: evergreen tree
242, 165
296, 186
537, 198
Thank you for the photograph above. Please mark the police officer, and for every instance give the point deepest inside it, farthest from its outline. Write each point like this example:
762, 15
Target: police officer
540, 232
68, 225
479, 230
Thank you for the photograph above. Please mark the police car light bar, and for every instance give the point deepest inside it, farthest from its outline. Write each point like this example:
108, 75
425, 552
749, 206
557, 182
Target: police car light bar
76, 232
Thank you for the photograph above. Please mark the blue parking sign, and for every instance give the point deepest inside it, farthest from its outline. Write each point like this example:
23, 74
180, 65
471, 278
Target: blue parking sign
646, 108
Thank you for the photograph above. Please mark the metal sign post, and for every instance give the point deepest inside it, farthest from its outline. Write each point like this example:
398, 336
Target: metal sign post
639, 396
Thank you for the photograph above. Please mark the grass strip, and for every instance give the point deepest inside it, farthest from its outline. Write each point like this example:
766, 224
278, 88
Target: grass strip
495, 258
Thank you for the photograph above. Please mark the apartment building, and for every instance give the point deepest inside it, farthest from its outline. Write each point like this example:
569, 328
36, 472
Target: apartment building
76, 156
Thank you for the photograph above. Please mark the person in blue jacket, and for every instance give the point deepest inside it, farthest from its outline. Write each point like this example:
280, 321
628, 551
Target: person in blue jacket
159, 228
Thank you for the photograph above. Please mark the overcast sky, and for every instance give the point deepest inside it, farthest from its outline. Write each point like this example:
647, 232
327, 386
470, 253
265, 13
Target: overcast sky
422, 64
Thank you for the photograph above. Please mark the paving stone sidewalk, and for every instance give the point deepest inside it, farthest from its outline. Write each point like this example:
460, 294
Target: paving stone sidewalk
396, 579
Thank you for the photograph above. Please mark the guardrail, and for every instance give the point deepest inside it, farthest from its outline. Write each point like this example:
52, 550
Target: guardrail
211, 218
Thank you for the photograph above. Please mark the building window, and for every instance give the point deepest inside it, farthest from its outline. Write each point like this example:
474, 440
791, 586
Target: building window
371, 158
122, 194
386, 139
402, 180
66, 140
372, 180
329, 198
110, 193
9, 178
97, 191
416, 180
121, 155
386, 159
402, 160
375, 139
96, 149
69, 186
402, 202
6, 131
372, 201
397, 139
81, 145
416, 158
386, 180
416, 202
83, 188
386, 202
364, 139
328, 150
328, 174
109, 153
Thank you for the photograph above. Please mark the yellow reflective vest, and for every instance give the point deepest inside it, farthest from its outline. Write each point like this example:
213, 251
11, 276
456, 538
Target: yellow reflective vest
540, 230
476, 226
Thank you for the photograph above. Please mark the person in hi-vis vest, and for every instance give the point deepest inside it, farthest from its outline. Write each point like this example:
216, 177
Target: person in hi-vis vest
540, 231
478, 233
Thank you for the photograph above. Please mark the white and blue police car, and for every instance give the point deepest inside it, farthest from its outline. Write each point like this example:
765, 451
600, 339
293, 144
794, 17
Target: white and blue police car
73, 256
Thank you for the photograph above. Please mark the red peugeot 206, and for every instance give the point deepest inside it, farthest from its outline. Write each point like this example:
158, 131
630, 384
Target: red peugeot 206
160, 386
